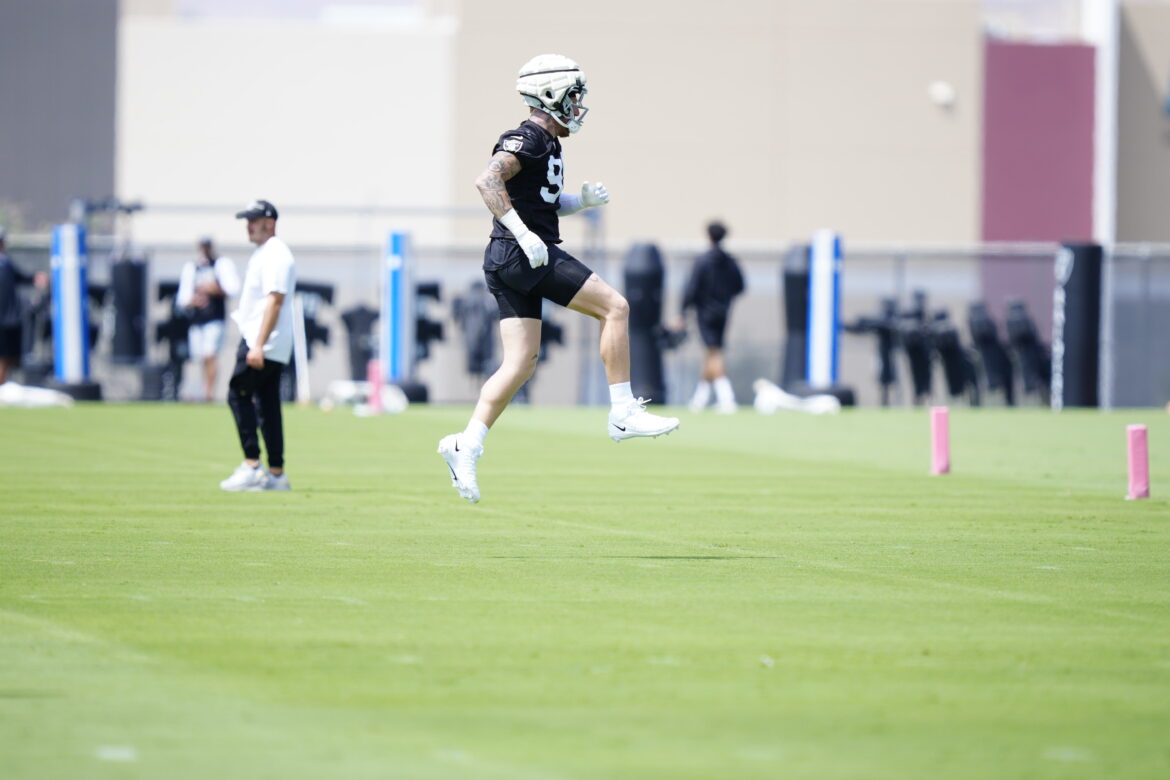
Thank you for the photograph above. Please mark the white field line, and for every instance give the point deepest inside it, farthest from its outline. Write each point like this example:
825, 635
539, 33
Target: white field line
54, 629
117, 753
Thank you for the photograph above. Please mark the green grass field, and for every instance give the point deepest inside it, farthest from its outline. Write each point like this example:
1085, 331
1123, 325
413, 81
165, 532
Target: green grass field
751, 597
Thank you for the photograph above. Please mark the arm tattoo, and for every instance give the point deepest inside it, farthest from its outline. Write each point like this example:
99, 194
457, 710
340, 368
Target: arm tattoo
491, 183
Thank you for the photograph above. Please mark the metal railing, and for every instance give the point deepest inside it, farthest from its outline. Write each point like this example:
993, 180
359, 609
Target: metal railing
1135, 355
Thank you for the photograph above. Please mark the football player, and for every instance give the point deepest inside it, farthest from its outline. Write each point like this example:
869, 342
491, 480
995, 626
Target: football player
523, 188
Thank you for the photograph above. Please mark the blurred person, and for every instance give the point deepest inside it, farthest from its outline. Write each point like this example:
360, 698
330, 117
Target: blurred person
204, 287
714, 283
266, 330
11, 330
523, 188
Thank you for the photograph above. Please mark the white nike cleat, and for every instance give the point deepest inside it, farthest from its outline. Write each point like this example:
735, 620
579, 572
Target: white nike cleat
634, 420
277, 482
461, 459
245, 477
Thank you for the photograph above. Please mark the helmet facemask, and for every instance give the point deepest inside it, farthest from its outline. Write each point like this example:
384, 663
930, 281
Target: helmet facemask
571, 111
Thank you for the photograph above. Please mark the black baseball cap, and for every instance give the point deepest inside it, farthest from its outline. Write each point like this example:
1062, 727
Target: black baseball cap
257, 209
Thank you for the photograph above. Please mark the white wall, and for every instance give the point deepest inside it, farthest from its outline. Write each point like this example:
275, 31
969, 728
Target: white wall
218, 112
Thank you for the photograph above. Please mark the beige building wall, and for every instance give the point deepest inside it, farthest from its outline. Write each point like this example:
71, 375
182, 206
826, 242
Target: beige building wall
1143, 132
780, 116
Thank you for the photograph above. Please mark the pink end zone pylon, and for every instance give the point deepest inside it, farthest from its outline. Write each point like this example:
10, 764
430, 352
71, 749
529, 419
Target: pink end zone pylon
374, 379
1137, 440
940, 441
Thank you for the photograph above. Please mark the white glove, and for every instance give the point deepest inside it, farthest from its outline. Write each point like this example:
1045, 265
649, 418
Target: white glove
594, 195
591, 195
533, 245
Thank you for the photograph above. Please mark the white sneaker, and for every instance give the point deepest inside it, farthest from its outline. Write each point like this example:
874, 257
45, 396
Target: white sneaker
277, 482
634, 420
726, 407
700, 398
245, 477
461, 460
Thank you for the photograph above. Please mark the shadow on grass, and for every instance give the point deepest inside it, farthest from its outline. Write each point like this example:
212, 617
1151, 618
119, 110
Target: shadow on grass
649, 557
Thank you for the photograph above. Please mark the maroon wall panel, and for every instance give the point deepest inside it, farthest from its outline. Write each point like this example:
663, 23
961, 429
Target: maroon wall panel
1037, 166
1038, 142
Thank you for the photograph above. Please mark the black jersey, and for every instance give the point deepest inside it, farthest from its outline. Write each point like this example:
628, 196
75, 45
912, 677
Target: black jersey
536, 190
715, 280
10, 276
215, 310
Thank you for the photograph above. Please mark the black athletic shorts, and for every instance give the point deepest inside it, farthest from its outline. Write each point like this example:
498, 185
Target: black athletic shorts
10, 342
520, 289
711, 330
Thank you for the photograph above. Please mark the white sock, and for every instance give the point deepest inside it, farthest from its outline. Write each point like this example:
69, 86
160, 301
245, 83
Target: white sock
620, 396
724, 391
702, 394
475, 432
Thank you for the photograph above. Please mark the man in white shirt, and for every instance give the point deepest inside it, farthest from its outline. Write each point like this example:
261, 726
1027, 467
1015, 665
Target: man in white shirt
204, 287
266, 327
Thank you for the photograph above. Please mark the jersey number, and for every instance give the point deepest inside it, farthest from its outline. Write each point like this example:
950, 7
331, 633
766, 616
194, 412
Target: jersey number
553, 190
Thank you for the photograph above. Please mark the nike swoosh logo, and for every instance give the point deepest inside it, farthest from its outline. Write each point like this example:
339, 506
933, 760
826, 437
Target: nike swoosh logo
620, 428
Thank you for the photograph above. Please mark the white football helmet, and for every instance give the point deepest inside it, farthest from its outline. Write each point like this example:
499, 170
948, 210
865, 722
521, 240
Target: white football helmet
555, 85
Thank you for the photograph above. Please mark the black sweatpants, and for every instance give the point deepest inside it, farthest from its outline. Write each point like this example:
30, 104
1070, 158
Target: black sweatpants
254, 398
